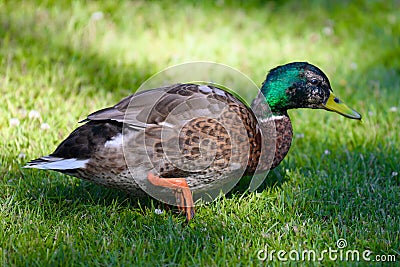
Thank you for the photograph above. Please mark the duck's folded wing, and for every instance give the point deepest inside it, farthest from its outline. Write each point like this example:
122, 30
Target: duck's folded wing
134, 109
153, 107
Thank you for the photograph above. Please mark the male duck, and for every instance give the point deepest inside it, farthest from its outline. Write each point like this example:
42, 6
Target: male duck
138, 145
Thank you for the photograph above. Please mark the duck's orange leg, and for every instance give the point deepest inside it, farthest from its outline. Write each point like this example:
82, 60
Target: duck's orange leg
183, 195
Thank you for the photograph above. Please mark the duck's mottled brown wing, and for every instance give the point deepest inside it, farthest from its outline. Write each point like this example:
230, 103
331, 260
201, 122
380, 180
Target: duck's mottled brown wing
135, 104
153, 106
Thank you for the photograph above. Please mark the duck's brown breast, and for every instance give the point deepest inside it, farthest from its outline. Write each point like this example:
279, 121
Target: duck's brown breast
284, 135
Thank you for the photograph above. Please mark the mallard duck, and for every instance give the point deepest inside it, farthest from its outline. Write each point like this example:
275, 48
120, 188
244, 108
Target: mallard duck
138, 146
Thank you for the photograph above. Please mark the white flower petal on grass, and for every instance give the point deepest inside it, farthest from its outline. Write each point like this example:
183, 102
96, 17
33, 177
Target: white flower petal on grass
393, 109
33, 114
353, 65
394, 174
158, 211
14, 122
328, 31
45, 126
327, 152
97, 16
21, 155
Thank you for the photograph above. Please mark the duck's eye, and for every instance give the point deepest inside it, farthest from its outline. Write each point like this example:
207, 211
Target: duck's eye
314, 81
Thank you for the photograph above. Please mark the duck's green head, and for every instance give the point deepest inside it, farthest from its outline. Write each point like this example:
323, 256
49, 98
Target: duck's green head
302, 85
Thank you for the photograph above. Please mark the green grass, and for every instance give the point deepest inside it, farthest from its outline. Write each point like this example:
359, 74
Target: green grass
340, 179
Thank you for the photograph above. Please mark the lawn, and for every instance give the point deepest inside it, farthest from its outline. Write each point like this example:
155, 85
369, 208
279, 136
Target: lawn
59, 62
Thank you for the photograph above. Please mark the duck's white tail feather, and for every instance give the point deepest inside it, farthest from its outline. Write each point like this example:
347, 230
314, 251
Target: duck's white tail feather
55, 163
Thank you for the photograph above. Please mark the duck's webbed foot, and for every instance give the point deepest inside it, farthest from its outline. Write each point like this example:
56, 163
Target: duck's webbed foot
183, 195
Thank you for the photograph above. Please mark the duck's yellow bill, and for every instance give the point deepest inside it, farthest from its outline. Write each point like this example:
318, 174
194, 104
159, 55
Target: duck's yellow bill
335, 104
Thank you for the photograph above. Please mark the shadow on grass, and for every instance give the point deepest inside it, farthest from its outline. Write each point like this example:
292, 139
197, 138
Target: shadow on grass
87, 68
105, 73
274, 178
